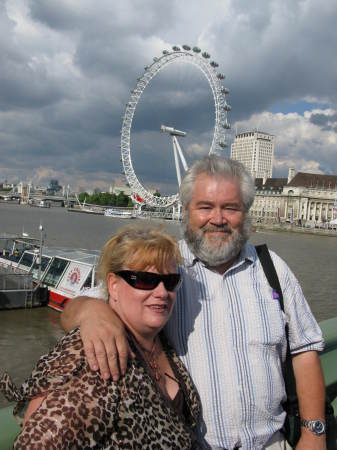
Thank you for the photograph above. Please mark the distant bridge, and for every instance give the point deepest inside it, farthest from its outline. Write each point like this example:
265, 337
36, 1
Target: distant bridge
6, 195
36, 198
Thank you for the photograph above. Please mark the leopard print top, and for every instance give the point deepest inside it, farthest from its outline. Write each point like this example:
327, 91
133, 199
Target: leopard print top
82, 411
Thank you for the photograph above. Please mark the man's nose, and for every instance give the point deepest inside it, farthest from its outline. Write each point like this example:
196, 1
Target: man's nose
218, 217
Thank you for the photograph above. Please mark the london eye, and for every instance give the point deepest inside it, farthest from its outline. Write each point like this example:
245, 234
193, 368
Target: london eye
203, 62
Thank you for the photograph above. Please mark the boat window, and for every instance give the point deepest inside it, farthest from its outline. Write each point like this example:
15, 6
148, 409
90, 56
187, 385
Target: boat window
55, 272
26, 260
44, 263
87, 283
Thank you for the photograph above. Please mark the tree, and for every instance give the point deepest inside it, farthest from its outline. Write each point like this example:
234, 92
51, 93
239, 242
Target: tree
122, 199
83, 196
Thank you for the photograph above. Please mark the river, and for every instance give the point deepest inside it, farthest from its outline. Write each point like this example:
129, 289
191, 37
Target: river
26, 334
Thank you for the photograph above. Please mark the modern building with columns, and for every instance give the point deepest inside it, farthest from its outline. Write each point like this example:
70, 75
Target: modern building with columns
267, 202
302, 198
309, 198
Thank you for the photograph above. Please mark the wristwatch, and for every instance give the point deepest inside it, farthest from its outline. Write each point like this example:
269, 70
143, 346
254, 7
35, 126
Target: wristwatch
317, 426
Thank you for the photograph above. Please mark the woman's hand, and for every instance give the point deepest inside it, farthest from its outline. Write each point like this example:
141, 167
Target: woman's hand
103, 335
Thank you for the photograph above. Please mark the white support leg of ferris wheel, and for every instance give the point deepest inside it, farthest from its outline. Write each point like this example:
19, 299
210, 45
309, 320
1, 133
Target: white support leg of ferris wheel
176, 160
182, 158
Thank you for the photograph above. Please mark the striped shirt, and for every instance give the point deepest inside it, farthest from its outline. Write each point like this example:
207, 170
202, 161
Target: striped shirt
229, 332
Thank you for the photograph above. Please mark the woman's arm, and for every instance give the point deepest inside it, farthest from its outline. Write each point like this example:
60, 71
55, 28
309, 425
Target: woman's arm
56, 421
103, 335
34, 404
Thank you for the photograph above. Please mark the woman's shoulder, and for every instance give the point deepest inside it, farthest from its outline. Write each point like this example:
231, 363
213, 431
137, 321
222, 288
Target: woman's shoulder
66, 356
52, 371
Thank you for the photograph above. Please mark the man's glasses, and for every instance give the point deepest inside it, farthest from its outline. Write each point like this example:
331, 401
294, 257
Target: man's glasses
149, 280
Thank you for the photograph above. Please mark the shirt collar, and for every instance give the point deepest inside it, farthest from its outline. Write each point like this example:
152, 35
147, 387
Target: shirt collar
247, 254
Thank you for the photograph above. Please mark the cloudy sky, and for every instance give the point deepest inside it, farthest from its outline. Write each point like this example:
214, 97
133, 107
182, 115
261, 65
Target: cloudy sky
67, 68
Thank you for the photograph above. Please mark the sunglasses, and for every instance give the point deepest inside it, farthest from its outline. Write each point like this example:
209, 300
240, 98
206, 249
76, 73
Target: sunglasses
147, 281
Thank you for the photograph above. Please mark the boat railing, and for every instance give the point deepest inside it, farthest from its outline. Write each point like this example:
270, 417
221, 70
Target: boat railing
10, 281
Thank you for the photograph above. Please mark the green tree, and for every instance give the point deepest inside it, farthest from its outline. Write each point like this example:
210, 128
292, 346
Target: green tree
83, 196
122, 199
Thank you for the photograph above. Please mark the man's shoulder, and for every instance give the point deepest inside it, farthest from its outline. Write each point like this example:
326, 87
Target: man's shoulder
185, 252
97, 291
182, 244
283, 271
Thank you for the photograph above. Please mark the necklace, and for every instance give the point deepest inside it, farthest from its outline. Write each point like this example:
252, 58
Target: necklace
151, 357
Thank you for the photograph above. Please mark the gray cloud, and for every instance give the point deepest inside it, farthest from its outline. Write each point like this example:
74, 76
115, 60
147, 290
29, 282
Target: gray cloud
326, 122
66, 74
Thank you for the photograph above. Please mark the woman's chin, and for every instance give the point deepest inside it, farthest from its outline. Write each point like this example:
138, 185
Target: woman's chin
157, 320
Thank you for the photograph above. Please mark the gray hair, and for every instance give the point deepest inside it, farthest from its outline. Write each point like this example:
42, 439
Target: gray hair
226, 168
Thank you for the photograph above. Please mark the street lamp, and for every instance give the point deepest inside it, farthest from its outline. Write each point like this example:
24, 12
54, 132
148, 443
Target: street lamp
40, 251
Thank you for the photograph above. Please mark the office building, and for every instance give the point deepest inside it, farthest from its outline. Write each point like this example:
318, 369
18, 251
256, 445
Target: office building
255, 150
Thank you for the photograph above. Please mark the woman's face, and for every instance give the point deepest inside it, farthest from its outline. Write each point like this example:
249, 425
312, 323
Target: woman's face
144, 312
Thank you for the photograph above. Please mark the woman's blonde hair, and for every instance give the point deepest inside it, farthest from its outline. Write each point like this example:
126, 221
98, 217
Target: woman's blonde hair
137, 248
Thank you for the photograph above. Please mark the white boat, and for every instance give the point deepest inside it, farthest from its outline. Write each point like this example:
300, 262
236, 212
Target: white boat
120, 214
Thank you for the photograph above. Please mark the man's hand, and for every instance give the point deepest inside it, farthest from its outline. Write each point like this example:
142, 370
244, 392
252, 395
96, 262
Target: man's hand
103, 335
308, 441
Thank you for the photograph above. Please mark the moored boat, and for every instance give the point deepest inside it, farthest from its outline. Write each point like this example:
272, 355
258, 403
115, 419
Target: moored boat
68, 272
64, 272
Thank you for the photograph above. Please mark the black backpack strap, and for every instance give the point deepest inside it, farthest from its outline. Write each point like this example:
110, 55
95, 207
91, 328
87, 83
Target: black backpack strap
270, 271
272, 277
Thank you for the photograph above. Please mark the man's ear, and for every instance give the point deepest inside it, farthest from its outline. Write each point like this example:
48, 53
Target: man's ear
112, 286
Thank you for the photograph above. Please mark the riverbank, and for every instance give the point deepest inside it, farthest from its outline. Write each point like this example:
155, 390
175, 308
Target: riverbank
295, 229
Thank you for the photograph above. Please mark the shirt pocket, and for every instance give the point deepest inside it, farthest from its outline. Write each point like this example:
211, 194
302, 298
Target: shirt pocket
266, 321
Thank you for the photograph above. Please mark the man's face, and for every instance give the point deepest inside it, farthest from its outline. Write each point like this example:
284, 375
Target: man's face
216, 227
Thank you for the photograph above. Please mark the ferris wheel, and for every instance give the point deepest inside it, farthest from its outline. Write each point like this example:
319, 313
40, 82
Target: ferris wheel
201, 60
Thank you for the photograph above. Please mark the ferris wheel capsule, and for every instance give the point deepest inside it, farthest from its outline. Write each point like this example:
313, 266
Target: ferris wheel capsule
165, 52
227, 107
186, 47
223, 144
176, 48
206, 55
196, 49
214, 64
224, 90
226, 126
220, 76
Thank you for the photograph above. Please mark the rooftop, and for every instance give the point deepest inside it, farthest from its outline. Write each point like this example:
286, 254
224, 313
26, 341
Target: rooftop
271, 183
314, 180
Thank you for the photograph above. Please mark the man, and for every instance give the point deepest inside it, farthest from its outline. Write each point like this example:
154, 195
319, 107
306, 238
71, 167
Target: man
226, 327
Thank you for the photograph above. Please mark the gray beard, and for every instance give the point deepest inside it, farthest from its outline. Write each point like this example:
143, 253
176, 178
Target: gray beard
215, 251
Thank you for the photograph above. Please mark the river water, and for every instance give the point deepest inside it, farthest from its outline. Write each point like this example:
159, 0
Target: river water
27, 334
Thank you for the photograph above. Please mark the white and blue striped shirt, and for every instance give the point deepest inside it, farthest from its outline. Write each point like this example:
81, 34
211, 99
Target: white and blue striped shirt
230, 333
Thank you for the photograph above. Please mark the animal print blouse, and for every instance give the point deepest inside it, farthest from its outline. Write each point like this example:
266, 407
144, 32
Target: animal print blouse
82, 411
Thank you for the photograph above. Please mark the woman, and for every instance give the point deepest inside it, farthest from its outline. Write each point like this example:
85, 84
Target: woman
155, 405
